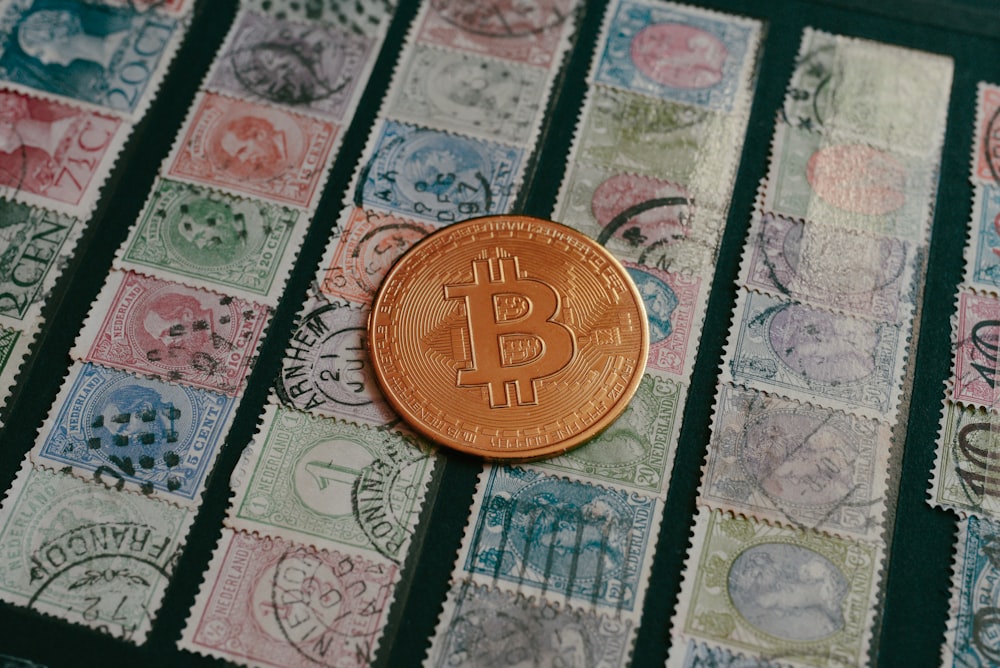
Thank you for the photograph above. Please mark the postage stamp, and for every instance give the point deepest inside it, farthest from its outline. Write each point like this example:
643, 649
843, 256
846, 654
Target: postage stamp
54, 155
254, 149
692, 654
641, 219
361, 253
826, 358
777, 594
832, 268
986, 151
849, 185
637, 450
478, 623
537, 33
172, 332
87, 554
674, 309
437, 176
273, 603
678, 53
982, 253
106, 55
549, 536
973, 615
314, 67
326, 369
688, 146
332, 484
890, 96
463, 92
210, 239
977, 349
116, 429
32, 240
968, 449
796, 464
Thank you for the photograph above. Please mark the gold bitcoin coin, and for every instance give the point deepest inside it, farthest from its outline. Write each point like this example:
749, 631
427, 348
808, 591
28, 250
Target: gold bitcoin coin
508, 337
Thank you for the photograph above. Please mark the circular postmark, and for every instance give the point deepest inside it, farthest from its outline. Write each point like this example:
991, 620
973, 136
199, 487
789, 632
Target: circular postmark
379, 248
991, 145
823, 347
327, 368
679, 55
503, 18
788, 591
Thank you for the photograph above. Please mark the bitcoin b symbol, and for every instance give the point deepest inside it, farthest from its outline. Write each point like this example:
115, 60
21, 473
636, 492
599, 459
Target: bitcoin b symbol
514, 340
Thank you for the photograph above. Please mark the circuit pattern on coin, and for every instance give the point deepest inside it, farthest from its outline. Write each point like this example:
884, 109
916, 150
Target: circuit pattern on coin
508, 337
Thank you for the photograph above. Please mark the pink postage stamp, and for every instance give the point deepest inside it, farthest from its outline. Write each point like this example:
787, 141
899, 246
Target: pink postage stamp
986, 160
271, 603
254, 149
172, 332
526, 32
977, 349
55, 155
369, 243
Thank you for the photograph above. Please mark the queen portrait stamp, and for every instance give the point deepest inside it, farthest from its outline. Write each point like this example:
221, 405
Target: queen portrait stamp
678, 53
982, 253
172, 332
534, 34
478, 623
311, 66
886, 95
211, 239
106, 55
437, 176
545, 535
87, 554
973, 615
327, 370
637, 450
462, 92
690, 147
254, 149
284, 605
116, 429
849, 184
641, 219
833, 268
329, 483
977, 347
365, 248
825, 358
55, 155
967, 471
796, 464
777, 594
32, 240
674, 304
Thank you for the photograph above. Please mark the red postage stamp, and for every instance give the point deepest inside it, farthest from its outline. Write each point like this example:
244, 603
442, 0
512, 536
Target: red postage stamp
368, 246
272, 603
54, 155
977, 350
254, 149
172, 332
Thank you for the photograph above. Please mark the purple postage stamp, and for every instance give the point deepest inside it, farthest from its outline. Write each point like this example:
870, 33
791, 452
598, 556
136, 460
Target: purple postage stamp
437, 176
796, 464
312, 66
117, 429
867, 276
826, 358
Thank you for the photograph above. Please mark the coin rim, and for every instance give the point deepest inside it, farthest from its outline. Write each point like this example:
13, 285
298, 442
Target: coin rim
528, 454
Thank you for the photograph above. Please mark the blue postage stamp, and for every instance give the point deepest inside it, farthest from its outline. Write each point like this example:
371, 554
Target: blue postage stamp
437, 176
682, 54
552, 535
108, 56
974, 617
982, 267
117, 428
826, 358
